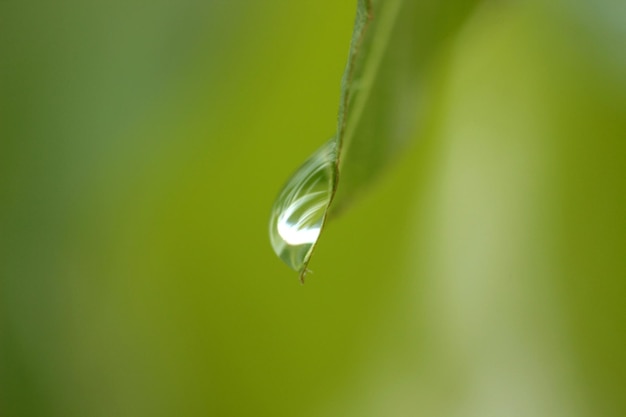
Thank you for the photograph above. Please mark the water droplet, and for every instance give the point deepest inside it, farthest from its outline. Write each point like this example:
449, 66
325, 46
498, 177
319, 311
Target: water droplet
300, 209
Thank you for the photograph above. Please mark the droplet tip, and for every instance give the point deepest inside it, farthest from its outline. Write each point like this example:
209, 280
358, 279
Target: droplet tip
304, 273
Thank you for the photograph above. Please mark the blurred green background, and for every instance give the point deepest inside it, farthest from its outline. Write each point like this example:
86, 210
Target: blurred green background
142, 145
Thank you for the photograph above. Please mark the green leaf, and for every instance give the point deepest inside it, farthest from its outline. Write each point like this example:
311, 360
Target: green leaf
383, 102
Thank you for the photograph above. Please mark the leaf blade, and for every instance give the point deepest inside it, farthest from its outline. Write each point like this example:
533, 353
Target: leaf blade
382, 91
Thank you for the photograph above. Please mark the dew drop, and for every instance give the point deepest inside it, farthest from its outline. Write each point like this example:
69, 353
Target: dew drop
300, 209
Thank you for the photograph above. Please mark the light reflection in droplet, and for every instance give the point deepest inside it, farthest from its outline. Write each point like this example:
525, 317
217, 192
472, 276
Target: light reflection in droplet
300, 209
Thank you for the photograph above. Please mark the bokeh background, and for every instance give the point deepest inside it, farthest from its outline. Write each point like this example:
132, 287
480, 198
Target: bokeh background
142, 145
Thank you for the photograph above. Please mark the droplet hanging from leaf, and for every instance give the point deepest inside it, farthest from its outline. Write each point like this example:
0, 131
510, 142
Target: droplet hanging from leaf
300, 209
384, 97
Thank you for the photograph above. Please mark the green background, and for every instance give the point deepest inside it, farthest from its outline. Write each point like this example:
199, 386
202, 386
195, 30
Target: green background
142, 145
